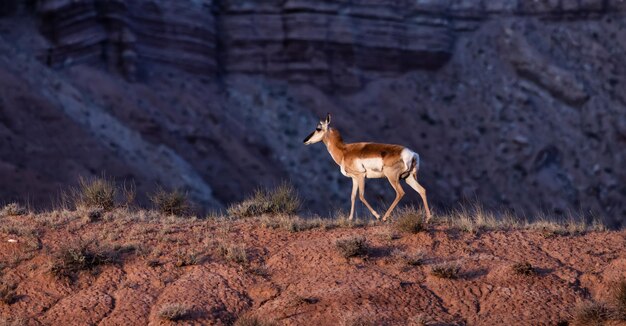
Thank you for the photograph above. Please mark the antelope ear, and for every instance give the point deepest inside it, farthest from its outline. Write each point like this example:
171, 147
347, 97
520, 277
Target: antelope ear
328, 118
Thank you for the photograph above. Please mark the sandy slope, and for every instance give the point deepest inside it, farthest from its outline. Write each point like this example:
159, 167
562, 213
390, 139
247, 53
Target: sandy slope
300, 278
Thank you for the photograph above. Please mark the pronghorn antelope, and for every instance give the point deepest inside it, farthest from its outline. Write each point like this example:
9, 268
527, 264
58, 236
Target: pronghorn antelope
370, 160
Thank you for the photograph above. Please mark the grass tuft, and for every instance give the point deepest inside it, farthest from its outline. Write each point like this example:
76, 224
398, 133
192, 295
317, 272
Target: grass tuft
78, 257
13, 209
175, 312
591, 313
184, 258
292, 223
524, 268
446, 270
7, 294
95, 193
352, 247
412, 259
170, 202
233, 253
283, 199
409, 220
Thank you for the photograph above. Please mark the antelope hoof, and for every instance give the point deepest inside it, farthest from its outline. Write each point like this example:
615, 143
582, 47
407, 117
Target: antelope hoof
377, 216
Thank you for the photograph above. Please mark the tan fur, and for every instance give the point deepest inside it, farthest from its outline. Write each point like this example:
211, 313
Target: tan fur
348, 156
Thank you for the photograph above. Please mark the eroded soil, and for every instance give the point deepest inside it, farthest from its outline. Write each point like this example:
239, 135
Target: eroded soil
299, 278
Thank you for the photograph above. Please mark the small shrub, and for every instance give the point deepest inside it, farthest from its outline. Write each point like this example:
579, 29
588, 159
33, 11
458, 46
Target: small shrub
234, 253
412, 259
170, 203
93, 214
13, 209
7, 294
251, 320
78, 257
95, 193
351, 247
261, 270
524, 268
445, 270
186, 259
591, 313
389, 235
409, 221
175, 312
283, 199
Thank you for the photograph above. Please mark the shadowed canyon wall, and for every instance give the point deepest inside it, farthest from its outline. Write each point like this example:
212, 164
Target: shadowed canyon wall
515, 104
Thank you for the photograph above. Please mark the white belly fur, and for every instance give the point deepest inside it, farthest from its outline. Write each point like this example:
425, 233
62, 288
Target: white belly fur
372, 167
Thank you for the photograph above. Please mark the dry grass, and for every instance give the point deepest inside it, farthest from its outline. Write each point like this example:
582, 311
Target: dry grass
415, 258
352, 247
591, 313
446, 270
619, 299
388, 234
294, 223
186, 258
283, 199
95, 193
7, 293
252, 320
524, 268
13, 209
475, 218
170, 202
175, 312
563, 227
77, 257
233, 253
409, 220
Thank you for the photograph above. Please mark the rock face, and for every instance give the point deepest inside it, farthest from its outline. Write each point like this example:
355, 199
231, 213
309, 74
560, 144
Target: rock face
121, 34
516, 104
326, 43
333, 43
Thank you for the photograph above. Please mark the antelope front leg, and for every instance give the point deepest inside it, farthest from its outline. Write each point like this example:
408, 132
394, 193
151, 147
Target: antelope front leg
355, 187
361, 180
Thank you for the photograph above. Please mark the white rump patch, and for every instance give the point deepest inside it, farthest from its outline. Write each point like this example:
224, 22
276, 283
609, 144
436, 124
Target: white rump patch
407, 157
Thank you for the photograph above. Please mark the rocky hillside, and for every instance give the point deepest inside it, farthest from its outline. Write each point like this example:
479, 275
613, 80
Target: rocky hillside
142, 268
516, 104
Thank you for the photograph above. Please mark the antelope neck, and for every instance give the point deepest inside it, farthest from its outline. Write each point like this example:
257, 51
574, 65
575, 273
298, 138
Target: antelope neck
335, 145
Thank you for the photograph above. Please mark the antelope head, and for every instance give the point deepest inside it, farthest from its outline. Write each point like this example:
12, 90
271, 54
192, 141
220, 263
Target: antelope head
318, 134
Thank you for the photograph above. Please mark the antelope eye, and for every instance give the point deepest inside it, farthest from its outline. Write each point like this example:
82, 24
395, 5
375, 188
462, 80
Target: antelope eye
318, 129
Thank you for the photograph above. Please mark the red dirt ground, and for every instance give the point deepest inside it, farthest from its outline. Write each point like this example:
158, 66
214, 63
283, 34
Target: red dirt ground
299, 278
